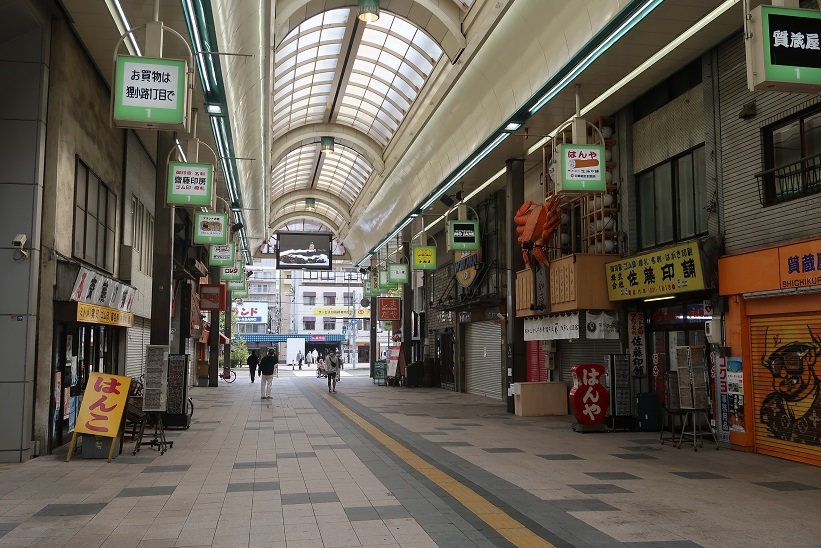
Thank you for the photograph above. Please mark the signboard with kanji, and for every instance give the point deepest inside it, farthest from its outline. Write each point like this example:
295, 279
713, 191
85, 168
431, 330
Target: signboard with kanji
581, 168
190, 184
398, 273
424, 257
210, 228
222, 255
660, 273
103, 404
588, 398
151, 93
784, 52
237, 285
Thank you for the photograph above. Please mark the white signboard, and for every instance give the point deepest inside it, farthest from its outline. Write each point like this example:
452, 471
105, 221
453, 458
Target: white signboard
251, 312
150, 92
551, 328
94, 288
602, 325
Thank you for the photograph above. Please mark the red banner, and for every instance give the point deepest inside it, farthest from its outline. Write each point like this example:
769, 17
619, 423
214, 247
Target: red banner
389, 309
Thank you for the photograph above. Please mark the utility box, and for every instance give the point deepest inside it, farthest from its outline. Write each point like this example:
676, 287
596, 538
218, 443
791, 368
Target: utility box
539, 399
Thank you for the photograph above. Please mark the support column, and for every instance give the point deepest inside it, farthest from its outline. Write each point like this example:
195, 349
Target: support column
407, 306
163, 271
515, 350
214, 336
226, 356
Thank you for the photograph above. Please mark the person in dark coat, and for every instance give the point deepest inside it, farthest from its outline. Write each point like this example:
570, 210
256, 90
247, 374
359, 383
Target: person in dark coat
266, 373
253, 362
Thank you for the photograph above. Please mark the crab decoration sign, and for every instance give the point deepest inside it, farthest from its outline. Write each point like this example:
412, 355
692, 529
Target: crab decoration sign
535, 224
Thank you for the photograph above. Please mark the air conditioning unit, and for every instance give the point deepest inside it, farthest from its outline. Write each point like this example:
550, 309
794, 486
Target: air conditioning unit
713, 329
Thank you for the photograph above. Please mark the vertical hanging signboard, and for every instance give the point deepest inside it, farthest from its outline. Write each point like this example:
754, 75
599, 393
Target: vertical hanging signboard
784, 53
232, 273
424, 257
222, 255
151, 93
398, 273
190, 184
581, 168
210, 228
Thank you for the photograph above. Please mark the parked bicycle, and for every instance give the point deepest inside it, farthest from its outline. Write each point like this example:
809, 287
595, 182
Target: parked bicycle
232, 376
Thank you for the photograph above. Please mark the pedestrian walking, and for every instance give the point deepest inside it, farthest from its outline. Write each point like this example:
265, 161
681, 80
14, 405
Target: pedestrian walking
253, 362
266, 374
299, 358
315, 356
333, 366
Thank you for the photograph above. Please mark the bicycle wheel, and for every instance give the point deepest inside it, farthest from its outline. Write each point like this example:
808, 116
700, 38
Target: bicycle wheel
233, 376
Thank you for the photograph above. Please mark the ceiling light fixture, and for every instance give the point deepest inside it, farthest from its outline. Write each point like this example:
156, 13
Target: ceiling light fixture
213, 109
326, 144
660, 298
368, 10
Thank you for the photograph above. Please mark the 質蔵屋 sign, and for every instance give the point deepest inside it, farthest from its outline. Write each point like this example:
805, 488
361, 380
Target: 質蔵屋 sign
466, 266
463, 235
657, 274
389, 309
424, 257
222, 255
581, 168
210, 228
190, 184
151, 93
799, 265
784, 53
398, 273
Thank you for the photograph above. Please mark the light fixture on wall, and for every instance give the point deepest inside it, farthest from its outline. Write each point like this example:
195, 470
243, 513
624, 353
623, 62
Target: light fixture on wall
326, 144
748, 111
368, 10
310, 203
236, 227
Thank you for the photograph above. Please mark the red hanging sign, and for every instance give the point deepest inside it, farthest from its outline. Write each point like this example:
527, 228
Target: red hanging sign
212, 297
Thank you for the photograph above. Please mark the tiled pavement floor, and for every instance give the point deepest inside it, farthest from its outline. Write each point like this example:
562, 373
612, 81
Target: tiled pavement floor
309, 468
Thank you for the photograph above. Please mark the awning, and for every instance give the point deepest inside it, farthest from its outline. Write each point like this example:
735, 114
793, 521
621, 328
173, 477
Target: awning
206, 332
309, 294
329, 294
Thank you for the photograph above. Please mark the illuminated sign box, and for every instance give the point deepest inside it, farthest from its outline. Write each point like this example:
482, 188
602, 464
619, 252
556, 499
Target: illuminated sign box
463, 235
151, 93
210, 228
784, 53
190, 184
581, 168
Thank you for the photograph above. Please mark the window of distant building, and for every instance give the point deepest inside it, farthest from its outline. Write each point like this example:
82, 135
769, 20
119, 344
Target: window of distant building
95, 219
309, 325
309, 300
329, 324
792, 158
329, 300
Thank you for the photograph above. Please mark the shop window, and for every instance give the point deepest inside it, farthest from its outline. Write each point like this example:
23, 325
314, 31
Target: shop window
309, 325
308, 300
673, 87
792, 156
95, 219
673, 200
329, 324
329, 300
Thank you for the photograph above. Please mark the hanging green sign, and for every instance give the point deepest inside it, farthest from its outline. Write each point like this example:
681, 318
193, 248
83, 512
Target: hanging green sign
150, 93
222, 255
384, 283
232, 273
210, 228
463, 235
236, 285
239, 294
190, 184
398, 273
581, 168
424, 257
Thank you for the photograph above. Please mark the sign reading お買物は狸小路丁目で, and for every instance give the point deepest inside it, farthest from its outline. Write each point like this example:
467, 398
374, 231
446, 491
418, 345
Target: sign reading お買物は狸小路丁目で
150, 93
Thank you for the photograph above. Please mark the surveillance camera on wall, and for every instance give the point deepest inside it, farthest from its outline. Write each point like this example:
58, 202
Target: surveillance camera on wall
19, 241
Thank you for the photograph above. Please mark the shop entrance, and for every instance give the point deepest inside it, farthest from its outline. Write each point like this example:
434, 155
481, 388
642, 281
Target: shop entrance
79, 350
444, 359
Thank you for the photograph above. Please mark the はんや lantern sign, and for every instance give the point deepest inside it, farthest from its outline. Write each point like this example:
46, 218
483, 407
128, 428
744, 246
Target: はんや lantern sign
588, 397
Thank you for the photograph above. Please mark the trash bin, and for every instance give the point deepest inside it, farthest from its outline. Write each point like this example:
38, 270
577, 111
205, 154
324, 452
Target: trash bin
649, 409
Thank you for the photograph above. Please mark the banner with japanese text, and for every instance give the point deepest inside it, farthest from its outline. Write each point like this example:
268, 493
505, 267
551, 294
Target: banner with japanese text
657, 274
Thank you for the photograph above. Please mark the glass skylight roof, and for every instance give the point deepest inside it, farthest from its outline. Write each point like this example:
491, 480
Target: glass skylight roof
320, 208
295, 171
304, 69
344, 173
392, 64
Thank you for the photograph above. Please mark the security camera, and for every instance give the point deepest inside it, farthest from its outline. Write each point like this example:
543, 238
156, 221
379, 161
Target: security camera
19, 241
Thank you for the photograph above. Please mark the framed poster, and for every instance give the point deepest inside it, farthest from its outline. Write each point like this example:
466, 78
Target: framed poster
212, 297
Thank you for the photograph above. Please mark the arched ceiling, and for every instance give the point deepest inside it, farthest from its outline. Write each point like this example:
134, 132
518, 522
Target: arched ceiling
335, 76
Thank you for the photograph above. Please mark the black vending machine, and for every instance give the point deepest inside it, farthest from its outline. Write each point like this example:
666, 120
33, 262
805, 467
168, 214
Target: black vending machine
177, 413
619, 413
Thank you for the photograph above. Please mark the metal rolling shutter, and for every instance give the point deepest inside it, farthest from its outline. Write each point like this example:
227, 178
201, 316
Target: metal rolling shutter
789, 430
536, 361
583, 351
137, 337
483, 359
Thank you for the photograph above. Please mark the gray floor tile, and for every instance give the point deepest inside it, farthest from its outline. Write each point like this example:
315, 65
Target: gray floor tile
786, 486
253, 486
699, 475
295, 498
166, 468
317, 498
560, 456
582, 505
392, 512
612, 476
365, 513
70, 509
633, 456
453, 444
503, 450
147, 491
599, 488
251, 465
466, 424
449, 428
642, 448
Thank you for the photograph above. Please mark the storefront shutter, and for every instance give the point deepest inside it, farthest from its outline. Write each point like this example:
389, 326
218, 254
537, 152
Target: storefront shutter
483, 359
536, 366
583, 351
787, 395
138, 336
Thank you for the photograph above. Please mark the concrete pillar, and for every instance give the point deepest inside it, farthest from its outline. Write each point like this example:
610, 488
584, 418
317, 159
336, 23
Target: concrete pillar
214, 337
515, 353
163, 270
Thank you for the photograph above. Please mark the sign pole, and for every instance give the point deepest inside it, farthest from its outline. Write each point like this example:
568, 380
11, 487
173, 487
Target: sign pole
71, 447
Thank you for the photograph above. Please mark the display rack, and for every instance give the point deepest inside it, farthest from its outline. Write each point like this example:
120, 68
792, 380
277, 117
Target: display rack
694, 395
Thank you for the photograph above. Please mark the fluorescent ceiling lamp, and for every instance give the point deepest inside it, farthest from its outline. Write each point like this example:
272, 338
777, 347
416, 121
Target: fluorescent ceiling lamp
622, 29
660, 298
197, 44
213, 109
117, 13
179, 148
513, 126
